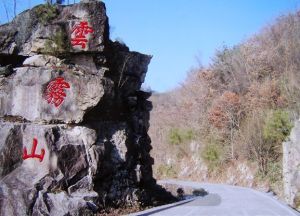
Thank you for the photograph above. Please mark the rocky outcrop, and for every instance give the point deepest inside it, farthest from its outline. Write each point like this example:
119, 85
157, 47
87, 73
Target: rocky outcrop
291, 167
66, 168
46, 28
23, 94
73, 120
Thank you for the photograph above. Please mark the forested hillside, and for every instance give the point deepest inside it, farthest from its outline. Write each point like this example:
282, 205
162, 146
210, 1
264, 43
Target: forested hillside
226, 123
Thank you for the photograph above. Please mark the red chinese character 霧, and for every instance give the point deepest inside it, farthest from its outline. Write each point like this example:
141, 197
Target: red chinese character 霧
33, 154
80, 31
55, 93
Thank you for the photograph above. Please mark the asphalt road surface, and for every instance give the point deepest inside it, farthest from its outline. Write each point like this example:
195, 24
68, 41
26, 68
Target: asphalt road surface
222, 200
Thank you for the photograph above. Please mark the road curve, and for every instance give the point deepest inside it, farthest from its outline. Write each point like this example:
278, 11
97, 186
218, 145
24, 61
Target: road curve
222, 200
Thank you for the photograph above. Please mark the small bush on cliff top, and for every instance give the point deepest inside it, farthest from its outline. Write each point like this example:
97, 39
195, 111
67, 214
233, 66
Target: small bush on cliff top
46, 13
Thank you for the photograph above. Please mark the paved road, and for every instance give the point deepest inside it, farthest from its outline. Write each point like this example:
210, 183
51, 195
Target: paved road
223, 200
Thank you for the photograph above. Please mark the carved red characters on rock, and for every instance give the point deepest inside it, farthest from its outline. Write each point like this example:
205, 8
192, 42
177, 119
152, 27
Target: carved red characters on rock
79, 33
55, 93
33, 154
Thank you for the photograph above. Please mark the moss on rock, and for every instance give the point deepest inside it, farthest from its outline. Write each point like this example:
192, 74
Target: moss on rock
46, 13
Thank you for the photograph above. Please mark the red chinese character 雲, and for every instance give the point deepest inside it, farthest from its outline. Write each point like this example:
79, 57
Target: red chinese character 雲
33, 154
55, 93
80, 31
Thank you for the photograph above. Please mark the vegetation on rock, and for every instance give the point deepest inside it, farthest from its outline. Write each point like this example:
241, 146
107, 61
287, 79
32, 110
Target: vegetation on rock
46, 13
57, 44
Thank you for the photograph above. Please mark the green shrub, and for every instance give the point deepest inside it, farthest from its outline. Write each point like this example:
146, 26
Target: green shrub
46, 13
178, 136
212, 155
277, 127
167, 171
57, 44
264, 133
174, 136
274, 172
189, 135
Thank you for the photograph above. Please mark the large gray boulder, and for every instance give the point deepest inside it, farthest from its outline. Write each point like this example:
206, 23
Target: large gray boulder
291, 167
24, 94
73, 120
48, 29
68, 162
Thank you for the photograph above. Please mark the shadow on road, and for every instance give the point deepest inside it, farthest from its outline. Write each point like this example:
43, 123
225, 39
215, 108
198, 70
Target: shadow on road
169, 207
208, 200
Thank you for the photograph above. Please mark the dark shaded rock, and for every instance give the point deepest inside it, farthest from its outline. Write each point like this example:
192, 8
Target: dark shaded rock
6, 71
128, 69
11, 149
71, 160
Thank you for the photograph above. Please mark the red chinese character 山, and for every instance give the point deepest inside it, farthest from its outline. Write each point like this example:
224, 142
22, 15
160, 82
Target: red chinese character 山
55, 93
79, 33
33, 154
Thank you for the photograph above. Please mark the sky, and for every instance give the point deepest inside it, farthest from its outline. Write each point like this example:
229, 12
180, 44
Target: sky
180, 34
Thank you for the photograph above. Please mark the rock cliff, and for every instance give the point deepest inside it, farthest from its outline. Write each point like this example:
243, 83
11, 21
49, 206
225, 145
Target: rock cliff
73, 120
291, 167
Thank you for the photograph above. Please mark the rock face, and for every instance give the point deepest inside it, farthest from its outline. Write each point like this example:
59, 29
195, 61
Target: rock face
24, 95
291, 167
73, 120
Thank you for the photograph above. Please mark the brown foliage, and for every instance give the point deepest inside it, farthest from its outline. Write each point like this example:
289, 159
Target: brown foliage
225, 110
226, 104
264, 95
